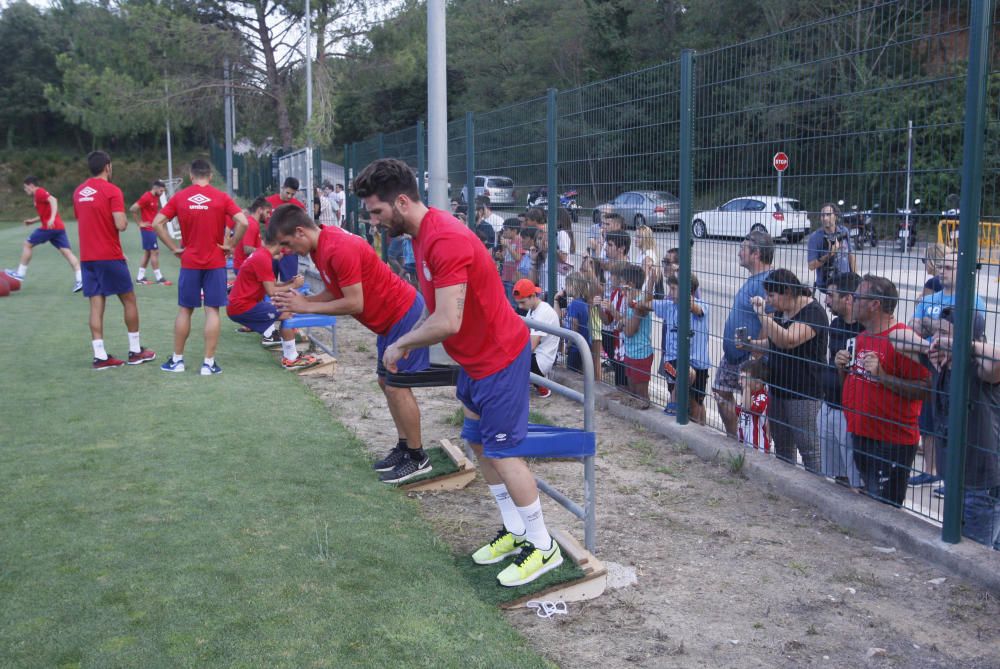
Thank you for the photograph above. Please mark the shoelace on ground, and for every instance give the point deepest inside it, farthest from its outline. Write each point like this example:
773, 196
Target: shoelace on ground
546, 609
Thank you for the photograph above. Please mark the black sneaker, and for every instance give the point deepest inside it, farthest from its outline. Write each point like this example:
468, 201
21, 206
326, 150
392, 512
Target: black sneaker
271, 341
407, 469
392, 460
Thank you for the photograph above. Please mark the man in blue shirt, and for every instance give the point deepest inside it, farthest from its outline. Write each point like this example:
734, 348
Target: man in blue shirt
756, 255
830, 252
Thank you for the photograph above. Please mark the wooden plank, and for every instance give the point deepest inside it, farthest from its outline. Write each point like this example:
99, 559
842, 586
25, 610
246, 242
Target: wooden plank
571, 547
326, 366
456, 455
453, 481
591, 586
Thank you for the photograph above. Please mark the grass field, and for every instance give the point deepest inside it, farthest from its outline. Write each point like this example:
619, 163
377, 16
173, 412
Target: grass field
161, 520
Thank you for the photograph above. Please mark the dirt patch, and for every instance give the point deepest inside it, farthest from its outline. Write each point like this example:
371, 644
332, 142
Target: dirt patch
726, 573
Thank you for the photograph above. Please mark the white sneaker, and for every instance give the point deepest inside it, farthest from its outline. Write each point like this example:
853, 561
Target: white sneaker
78, 286
13, 274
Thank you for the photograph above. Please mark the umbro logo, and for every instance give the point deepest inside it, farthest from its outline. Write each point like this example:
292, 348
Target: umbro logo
86, 194
198, 201
501, 436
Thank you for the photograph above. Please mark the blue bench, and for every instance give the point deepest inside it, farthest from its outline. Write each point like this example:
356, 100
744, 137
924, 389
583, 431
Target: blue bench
307, 321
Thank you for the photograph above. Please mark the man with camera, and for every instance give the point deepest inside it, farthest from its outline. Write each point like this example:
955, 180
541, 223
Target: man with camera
830, 252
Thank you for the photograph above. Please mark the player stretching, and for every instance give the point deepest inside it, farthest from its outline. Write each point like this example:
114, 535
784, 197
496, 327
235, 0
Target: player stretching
100, 213
52, 231
358, 283
470, 314
201, 210
144, 210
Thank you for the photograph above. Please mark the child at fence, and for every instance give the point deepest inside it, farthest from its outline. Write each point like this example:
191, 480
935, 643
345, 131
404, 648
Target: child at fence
248, 307
526, 266
699, 360
580, 291
751, 414
588, 268
637, 335
508, 254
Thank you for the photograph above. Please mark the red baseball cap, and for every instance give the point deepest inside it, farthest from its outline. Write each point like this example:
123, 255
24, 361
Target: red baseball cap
525, 288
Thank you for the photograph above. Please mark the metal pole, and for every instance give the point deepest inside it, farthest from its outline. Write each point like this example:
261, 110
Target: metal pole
779, 184
310, 180
909, 181
470, 170
421, 161
170, 148
552, 180
684, 229
228, 130
965, 289
437, 105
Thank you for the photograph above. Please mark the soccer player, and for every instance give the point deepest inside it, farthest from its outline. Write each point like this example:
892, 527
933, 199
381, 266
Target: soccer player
144, 210
288, 265
99, 208
248, 308
257, 215
470, 314
359, 284
52, 231
201, 210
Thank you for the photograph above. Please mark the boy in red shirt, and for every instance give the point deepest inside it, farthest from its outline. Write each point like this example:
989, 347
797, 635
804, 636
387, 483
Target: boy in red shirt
100, 213
248, 307
201, 210
470, 315
52, 231
145, 210
257, 215
359, 284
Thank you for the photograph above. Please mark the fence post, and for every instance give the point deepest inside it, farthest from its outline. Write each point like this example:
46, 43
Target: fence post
968, 239
552, 183
381, 145
421, 162
684, 234
470, 171
350, 170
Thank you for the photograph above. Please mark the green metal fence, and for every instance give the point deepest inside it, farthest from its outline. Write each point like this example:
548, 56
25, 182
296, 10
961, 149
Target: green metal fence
884, 114
254, 172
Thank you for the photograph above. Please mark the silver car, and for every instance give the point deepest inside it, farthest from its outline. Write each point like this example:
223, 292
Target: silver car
500, 190
655, 208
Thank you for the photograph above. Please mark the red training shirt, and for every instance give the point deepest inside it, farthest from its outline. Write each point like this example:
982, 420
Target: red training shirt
343, 259
149, 206
447, 254
250, 238
276, 201
871, 409
44, 209
94, 202
249, 287
201, 211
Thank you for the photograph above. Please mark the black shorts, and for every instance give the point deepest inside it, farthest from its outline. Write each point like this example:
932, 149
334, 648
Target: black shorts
699, 385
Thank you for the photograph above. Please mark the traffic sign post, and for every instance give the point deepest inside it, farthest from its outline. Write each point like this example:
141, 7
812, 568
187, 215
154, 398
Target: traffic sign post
780, 162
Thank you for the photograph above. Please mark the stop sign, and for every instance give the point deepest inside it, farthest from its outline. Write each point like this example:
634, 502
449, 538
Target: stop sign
780, 161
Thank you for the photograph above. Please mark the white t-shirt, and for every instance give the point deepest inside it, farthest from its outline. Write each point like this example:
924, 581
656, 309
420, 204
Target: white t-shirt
545, 352
338, 203
496, 220
326, 213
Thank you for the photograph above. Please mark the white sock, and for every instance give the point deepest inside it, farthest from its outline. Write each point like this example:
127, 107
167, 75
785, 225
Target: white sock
534, 524
158, 274
133, 342
99, 351
508, 510
209, 361
79, 275
177, 357
141, 275
288, 349
22, 270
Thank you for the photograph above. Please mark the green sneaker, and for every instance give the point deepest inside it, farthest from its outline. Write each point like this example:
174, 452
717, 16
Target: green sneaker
504, 545
530, 564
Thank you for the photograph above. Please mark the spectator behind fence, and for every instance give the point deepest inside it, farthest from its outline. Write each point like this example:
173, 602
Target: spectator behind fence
836, 454
933, 256
700, 361
543, 345
580, 291
882, 393
830, 250
981, 503
526, 266
644, 248
508, 254
751, 414
565, 248
637, 335
485, 229
796, 336
611, 222
755, 255
589, 269
610, 304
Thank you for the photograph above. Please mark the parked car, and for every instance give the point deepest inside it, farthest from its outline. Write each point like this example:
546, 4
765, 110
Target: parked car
655, 208
782, 218
427, 184
499, 189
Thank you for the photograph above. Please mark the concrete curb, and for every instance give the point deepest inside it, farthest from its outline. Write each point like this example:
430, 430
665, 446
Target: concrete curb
879, 522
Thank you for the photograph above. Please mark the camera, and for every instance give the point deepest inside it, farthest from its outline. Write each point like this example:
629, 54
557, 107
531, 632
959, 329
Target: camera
742, 336
834, 238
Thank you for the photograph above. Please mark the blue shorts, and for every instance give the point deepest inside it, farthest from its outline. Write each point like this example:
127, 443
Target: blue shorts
192, 283
57, 238
286, 268
149, 240
258, 318
105, 277
418, 359
501, 400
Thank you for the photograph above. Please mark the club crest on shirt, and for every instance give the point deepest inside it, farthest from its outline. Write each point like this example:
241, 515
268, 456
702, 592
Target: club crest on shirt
198, 201
427, 271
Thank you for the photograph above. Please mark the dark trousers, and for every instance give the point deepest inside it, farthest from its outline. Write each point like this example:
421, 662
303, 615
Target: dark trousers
608, 341
885, 468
